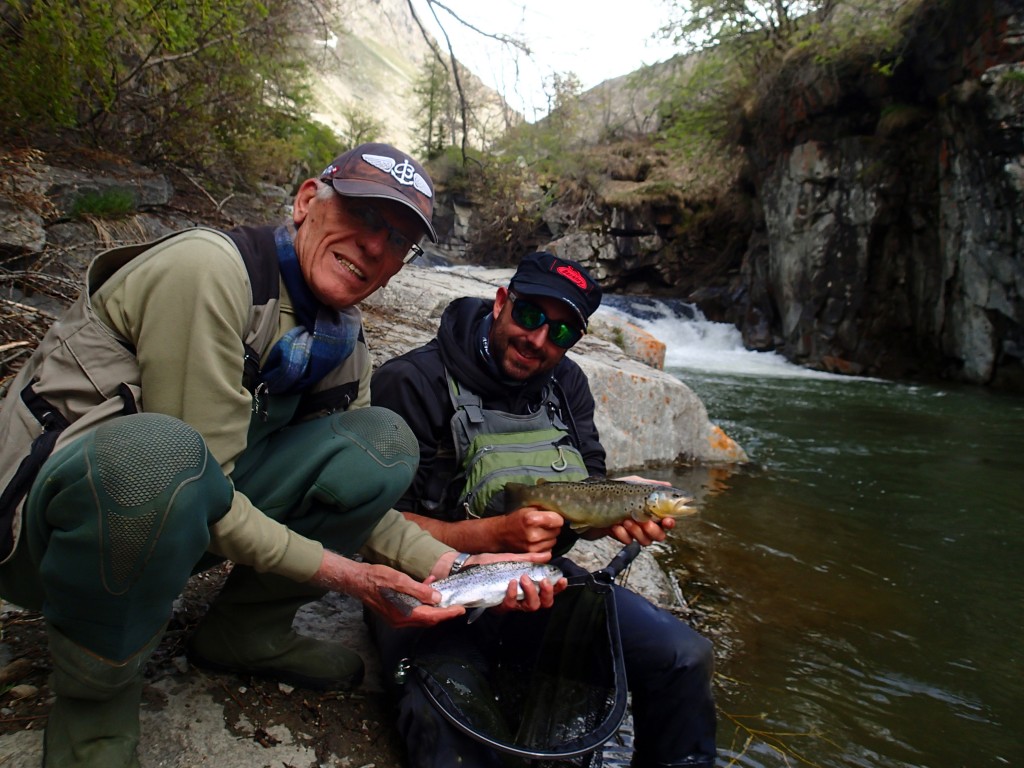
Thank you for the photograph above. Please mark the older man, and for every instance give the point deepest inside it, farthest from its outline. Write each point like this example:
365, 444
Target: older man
207, 397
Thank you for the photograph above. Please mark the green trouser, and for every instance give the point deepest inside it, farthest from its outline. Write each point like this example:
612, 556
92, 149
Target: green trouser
113, 525
330, 479
118, 520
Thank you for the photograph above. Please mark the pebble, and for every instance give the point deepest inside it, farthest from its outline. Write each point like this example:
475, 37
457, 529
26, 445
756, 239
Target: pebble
23, 691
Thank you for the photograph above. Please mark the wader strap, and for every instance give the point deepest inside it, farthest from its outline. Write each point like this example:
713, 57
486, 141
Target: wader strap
471, 403
53, 423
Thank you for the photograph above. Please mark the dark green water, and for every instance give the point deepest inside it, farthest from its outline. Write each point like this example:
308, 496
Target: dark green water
864, 576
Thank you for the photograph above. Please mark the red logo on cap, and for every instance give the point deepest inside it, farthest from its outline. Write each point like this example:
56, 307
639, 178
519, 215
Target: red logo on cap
573, 275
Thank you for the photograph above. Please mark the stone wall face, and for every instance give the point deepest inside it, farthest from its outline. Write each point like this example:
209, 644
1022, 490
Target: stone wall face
982, 226
898, 250
884, 229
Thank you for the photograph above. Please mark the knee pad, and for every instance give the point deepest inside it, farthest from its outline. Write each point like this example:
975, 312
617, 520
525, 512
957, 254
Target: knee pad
121, 516
382, 433
149, 466
384, 467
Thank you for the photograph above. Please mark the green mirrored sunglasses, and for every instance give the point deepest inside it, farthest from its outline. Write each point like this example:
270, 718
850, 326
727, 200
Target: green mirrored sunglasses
528, 315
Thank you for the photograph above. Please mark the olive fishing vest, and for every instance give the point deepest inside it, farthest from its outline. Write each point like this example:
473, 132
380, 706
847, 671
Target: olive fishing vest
493, 448
83, 374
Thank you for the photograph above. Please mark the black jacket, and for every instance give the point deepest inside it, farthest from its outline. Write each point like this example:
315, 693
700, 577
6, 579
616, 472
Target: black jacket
414, 386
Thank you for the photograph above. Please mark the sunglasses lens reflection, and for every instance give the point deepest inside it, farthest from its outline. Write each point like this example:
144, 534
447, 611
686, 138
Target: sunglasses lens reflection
531, 317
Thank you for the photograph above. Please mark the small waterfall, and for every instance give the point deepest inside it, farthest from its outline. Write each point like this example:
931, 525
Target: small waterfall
695, 343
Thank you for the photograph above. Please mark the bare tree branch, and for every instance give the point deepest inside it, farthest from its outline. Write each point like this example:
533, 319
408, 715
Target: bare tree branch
503, 39
452, 62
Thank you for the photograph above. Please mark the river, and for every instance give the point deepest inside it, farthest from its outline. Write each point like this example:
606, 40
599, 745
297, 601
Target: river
863, 576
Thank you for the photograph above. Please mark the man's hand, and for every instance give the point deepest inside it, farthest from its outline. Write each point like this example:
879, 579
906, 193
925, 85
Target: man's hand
369, 583
630, 530
534, 599
531, 529
638, 479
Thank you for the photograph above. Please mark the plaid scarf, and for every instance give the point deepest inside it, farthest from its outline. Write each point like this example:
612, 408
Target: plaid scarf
301, 358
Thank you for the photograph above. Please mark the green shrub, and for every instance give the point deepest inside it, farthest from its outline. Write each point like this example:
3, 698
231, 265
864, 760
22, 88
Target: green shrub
107, 203
211, 85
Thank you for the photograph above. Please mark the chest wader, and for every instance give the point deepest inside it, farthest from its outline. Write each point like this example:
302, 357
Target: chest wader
331, 479
560, 692
493, 448
113, 525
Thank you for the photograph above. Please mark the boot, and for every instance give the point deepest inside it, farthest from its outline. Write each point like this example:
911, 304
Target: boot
94, 721
248, 630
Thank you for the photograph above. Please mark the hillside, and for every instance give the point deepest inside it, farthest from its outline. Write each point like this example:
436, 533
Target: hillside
371, 53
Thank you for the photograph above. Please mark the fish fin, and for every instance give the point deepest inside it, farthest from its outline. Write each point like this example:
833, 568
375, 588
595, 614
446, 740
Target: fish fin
475, 614
579, 527
542, 481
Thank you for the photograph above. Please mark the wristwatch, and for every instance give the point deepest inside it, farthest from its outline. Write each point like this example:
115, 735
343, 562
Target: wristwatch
459, 563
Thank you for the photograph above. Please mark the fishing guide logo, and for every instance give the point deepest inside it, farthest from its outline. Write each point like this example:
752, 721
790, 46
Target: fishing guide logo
572, 275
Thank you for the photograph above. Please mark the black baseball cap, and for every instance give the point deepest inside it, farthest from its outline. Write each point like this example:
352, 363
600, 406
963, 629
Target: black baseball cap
544, 274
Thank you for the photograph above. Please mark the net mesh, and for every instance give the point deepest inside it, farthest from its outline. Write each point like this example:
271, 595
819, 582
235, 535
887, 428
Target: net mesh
552, 705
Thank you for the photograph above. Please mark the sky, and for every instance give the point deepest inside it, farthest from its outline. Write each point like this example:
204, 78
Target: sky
595, 39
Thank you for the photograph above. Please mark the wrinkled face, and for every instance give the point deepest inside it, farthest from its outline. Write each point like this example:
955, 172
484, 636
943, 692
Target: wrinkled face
522, 353
349, 247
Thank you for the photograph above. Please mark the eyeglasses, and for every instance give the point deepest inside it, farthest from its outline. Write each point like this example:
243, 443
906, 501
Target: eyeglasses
531, 317
376, 223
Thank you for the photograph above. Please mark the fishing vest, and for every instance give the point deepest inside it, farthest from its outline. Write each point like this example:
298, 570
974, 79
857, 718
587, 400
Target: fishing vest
82, 374
493, 448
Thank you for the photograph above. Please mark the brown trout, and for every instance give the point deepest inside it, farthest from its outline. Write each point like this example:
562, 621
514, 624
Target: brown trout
600, 503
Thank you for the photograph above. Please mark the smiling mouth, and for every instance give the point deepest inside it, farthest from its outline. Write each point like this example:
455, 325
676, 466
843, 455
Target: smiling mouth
527, 353
351, 267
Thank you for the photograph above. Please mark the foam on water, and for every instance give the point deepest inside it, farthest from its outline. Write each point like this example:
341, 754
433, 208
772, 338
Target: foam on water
695, 343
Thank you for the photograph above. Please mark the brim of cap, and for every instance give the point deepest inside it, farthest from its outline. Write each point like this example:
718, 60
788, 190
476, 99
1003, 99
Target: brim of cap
353, 188
527, 288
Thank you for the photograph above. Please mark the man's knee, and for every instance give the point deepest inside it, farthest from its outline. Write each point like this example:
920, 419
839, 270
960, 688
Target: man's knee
655, 640
119, 518
695, 653
382, 465
127, 470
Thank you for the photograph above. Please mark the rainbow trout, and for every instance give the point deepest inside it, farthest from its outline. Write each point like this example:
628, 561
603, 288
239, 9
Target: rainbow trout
600, 503
480, 586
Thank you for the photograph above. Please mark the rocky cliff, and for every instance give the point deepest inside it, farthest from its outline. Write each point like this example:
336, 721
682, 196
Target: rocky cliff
871, 220
891, 236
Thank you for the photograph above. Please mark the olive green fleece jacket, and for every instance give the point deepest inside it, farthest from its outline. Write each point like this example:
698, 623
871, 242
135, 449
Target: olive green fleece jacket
185, 307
